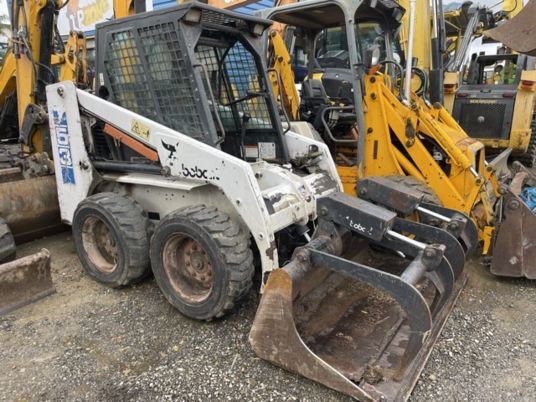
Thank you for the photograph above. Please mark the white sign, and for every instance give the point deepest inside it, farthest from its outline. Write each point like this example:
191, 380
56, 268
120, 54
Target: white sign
5, 30
83, 15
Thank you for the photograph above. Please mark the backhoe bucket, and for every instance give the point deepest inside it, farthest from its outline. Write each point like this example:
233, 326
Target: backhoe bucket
358, 312
24, 281
514, 250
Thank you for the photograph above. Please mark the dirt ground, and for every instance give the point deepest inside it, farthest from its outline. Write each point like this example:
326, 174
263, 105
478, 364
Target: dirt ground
88, 342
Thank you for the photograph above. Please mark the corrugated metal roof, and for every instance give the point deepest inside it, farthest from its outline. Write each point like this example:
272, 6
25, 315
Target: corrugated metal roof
249, 9
163, 3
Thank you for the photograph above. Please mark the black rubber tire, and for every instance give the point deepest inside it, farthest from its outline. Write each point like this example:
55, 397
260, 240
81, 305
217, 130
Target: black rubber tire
529, 158
7, 243
225, 246
128, 225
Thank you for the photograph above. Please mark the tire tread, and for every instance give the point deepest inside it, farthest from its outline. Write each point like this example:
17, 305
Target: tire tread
7, 243
133, 225
234, 246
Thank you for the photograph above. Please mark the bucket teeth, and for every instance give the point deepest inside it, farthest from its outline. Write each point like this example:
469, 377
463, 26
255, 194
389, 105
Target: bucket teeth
362, 318
24, 281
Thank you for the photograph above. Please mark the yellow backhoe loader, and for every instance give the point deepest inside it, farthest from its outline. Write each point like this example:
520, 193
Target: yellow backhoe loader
491, 96
374, 127
37, 56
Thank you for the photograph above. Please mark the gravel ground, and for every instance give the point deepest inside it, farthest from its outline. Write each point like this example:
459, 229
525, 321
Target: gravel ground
88, 342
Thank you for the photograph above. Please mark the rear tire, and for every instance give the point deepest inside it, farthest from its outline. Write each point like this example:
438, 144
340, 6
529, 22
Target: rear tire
111, 235
7, 243
202, 261
529, 158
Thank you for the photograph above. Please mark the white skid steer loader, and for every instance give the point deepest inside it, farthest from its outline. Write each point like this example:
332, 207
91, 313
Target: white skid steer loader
181, 164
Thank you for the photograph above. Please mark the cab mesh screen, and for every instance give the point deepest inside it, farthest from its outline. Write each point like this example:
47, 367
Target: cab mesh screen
233, 76
153, 79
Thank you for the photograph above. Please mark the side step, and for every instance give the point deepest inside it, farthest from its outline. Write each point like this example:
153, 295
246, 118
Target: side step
24, 281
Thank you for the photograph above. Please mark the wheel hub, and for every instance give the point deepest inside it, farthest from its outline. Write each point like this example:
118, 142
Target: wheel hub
188, 268
100, 244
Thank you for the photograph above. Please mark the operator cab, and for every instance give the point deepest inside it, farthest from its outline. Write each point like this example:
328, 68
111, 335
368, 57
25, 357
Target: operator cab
336, 48
197, 70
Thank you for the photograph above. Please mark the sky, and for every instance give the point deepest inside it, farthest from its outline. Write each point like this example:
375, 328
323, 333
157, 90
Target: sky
4, 14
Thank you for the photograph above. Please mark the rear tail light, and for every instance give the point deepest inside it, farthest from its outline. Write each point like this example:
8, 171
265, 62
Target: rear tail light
449, 88
527, 84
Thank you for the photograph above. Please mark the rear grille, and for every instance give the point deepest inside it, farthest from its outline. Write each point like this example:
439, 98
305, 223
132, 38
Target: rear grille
482, 120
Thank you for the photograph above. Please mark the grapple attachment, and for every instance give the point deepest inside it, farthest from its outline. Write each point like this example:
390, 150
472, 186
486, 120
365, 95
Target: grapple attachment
24, 281
359, 307
514, 248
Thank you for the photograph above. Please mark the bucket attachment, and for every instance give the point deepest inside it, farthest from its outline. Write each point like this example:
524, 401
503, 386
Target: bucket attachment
24, 281
407, 201
30, 207
360, 307
514, 249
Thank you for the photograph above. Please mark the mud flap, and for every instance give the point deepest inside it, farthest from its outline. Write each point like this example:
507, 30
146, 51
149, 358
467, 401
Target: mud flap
359, 311
514, 247
24, 281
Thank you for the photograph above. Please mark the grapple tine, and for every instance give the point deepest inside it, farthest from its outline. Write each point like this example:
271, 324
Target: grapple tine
468, 236
407, 296
454, 252
443, 280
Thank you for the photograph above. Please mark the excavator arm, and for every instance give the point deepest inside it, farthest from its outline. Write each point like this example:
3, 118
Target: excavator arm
36, 51
282, 76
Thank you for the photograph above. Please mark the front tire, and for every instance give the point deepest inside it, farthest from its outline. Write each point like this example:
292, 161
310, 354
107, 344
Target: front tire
529, 158
202, 261
111, 235
7, 243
